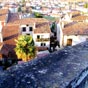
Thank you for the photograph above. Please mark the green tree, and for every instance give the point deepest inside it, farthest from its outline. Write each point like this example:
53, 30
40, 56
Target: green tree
86, 6
23, 1
19, 9
38, 15
25, 48
53, 27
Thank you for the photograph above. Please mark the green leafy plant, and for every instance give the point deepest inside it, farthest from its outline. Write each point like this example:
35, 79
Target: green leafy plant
25, 48
86, 5
38, 15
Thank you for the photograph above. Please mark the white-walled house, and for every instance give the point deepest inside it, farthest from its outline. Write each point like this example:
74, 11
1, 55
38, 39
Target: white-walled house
27, 29
75, 34
13, 8
72, 33
38, 28
69, 22
60, 25
76, 16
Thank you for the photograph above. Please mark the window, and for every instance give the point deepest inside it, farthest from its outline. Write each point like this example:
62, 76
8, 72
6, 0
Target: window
24, 29
38, 37
43, 44
30, 28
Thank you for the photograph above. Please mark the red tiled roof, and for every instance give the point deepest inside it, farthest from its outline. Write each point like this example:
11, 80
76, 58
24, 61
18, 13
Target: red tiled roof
10, 33
42, 25
75, 12
79, 28
80, 18
3, 11
29, 20
3, 17
13, 17
10, 30
42, 29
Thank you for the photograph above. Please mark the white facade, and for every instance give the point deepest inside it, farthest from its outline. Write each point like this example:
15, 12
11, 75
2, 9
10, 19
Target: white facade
75, 39
64, 39
40, 39
13, 9
1, 37
67, 17
59, 34
25, 29
0, 26
42, 36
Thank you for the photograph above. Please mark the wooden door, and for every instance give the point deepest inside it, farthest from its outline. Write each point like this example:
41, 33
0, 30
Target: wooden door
69, 42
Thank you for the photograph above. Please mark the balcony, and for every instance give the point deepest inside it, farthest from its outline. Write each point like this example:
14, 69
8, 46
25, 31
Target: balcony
43, 40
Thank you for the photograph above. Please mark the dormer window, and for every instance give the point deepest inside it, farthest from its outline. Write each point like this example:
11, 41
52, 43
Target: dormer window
24, 29
30, 29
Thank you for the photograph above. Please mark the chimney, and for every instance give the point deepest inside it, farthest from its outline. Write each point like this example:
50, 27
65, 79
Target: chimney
20, 15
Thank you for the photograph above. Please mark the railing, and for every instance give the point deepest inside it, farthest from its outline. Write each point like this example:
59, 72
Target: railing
43, 39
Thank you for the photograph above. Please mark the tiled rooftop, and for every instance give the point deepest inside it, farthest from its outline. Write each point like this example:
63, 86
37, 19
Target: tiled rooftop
10, 33
13, 17
29, 20
3, 17
10, 30
79, 28
41, 25
80, 18
3, 11
42, 29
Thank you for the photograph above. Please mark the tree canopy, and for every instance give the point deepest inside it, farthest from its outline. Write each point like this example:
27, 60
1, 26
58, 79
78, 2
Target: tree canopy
38, 15
19, 9
86, 5
23, 1
25, 48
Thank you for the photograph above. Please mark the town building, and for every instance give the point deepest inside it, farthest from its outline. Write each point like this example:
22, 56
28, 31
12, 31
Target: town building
15, 25
72, 28
72, 33
38, 28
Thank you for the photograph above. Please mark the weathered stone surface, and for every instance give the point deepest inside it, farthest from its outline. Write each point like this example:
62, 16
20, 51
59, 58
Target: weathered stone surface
56, 70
